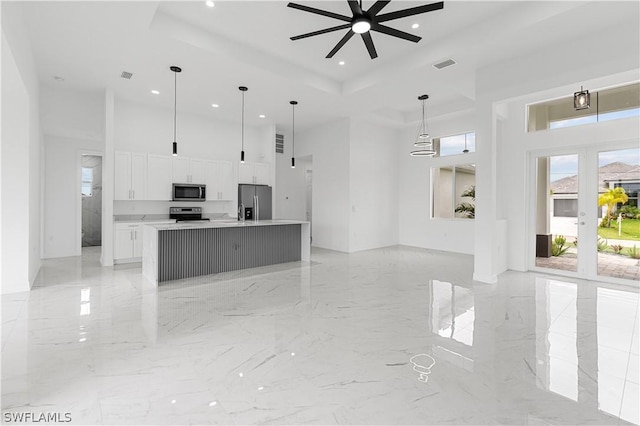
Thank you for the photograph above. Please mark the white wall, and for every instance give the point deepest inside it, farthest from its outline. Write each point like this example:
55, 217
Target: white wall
61, 194
355, 181
290, 196
329, 146
414, 191
373, 180
502, 143
20, 156
73, 124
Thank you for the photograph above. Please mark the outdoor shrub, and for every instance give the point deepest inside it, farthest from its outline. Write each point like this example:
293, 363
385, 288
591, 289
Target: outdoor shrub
602, 244
617, 248
559, 246
630, 212
575, 241
634, 253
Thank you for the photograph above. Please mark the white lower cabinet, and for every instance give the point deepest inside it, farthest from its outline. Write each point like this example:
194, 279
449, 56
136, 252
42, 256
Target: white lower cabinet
128, 242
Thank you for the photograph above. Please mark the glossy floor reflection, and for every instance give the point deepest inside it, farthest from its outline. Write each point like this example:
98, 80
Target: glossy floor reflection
330, 342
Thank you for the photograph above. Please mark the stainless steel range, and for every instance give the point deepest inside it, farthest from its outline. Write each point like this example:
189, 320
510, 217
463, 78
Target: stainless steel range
187, 214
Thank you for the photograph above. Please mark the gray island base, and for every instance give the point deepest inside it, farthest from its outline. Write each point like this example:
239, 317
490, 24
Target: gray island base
183, 250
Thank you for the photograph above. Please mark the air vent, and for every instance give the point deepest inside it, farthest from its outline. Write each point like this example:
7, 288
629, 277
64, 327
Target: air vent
126, 74
279, 144
444, 64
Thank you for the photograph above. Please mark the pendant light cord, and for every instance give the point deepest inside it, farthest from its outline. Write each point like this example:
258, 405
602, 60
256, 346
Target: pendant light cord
242, 130
175, 103
293, 130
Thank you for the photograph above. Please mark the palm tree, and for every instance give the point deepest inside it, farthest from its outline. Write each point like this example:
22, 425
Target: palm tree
468, 210
610, 198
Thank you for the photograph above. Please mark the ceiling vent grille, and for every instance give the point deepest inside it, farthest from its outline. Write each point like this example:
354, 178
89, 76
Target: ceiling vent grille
444, 64
279, 144
126, 74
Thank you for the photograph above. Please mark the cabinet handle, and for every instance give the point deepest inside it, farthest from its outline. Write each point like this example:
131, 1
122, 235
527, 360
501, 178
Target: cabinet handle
131, 235
134, 195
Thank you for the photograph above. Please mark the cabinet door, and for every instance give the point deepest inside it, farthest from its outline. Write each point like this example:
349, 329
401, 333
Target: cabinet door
122, 184
123, 245
137, 241
138, 176
261, 172
196, 171
158, 177
245, 173
180, 169
212, 179
227, 187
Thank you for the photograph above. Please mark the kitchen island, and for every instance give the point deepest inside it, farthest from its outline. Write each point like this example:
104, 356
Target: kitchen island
181, 250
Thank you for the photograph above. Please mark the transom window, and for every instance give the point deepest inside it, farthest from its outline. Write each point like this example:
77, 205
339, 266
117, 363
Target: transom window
608, 104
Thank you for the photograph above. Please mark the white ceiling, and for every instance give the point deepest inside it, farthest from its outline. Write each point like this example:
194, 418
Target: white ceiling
247, 43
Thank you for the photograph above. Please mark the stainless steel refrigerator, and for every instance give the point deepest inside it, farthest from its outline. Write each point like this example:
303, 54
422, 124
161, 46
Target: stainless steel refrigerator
257, 198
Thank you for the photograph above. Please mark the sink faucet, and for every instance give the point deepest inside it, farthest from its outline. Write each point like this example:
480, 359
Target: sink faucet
241, 212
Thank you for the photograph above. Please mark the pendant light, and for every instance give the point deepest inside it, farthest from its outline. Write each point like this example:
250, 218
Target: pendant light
293, 133
423, 139
242, 89
581, 99
175, 70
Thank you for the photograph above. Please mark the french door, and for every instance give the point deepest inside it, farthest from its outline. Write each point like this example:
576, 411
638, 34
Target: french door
571, 232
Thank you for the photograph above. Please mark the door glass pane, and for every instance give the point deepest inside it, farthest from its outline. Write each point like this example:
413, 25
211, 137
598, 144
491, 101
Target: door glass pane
618, 241
557, 212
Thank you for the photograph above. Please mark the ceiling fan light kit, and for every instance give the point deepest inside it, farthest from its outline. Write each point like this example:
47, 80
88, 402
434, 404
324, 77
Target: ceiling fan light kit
363, 22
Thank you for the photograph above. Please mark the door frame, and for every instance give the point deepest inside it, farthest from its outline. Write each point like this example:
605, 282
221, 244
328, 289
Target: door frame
82, 153
587, 212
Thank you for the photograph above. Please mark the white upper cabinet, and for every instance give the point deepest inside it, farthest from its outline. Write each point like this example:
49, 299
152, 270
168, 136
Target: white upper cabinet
254, 173
159, 177
188, 170
219, 180
130, 175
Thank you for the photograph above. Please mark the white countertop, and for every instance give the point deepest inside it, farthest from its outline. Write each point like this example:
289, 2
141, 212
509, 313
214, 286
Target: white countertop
223, 224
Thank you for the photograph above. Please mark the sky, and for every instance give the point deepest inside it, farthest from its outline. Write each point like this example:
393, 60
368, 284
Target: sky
567, 165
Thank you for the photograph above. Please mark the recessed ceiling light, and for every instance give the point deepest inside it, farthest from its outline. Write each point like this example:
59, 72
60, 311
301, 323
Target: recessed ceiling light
210, 3
155, 92
215, 105
341, 63
262, 116
414, 26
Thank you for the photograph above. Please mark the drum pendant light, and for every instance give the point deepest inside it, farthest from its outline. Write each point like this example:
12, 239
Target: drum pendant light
175, 70
293, 133
242, 89
423, 140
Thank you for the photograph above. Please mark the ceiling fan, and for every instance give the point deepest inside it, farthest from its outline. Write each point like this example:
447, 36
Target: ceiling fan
362, 22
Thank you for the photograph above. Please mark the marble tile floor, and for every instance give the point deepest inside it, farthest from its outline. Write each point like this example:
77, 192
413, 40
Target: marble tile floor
390, 336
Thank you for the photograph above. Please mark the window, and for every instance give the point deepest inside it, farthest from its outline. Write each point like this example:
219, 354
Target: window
87, 181
453, 189
456, 144
608, 104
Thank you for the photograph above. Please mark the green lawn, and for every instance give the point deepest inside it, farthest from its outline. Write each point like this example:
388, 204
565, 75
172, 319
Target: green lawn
630, 230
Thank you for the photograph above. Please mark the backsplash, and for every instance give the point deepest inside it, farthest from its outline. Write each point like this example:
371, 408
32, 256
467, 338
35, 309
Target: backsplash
162, 207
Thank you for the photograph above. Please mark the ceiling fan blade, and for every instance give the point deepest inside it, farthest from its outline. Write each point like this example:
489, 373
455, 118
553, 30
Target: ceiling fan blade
355, 7
395, 33
326, 30
410, 12
341, 43
377, 7
319, 12
366, 37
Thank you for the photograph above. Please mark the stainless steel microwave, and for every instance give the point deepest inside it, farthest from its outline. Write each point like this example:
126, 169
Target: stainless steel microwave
189, 192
